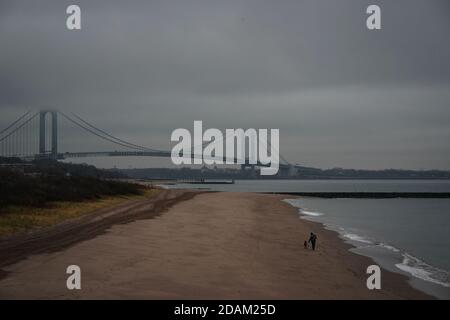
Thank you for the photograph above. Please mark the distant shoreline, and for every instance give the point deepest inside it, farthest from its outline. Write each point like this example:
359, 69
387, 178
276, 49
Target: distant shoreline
368, 195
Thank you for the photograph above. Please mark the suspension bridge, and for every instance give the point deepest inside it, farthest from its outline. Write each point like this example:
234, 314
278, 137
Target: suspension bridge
32, 136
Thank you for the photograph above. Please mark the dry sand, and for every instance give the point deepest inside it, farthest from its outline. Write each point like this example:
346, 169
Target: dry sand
213, 246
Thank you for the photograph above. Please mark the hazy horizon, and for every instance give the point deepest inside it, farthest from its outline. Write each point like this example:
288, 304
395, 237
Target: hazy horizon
341, 95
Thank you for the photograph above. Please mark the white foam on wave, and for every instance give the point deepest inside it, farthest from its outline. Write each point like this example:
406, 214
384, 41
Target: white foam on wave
410, 264
355, 237
388, 247
297, 203
311, 213
419, 269
293, 202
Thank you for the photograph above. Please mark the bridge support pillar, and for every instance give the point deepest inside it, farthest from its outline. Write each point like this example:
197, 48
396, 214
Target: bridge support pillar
252, 171
292, 171
43, 132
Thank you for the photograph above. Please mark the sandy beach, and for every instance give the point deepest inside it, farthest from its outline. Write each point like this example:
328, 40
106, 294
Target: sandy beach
190, 245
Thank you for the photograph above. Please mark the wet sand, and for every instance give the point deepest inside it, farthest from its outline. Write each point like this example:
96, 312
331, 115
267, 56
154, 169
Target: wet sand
210, 246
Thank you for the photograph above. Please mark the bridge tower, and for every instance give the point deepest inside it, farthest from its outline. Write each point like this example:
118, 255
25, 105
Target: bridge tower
292, 171
43, 131
252, 169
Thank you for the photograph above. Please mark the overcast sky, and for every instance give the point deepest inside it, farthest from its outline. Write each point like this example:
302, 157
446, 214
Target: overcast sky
341, 95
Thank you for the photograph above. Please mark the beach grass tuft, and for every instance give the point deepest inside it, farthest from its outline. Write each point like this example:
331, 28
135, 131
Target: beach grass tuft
17, 219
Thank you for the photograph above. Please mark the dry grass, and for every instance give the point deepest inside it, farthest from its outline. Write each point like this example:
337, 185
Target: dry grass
19, 219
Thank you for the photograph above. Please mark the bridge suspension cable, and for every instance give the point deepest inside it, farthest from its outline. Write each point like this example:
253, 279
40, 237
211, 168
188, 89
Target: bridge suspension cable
19, 127
228, 135
111, 136
17, 139
12, 124
278, 151
129, 146
21, 138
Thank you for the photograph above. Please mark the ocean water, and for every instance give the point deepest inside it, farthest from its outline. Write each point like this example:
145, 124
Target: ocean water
327, 186
408, 236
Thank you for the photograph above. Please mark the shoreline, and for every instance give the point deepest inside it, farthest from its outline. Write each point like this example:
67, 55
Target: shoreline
368, 195
387, 256
212, 246
393, 277
397, 282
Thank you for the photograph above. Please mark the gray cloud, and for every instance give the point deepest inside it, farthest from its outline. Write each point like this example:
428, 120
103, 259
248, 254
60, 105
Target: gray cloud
340, 94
